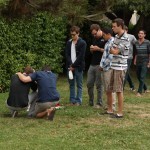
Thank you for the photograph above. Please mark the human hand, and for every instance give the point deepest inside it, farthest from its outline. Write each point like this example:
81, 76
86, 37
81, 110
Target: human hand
71, 68
114, 51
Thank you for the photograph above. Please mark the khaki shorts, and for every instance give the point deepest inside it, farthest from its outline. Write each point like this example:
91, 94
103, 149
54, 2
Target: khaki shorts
40, 107
106, 75
113, 80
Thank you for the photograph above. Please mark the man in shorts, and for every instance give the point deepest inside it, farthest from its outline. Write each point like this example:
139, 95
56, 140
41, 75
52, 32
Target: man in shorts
120, 50
48, 95
105, 63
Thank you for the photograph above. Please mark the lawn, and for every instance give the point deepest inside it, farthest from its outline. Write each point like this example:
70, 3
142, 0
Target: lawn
79, 127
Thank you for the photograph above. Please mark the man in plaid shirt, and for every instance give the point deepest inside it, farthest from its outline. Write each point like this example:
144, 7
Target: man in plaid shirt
105, 63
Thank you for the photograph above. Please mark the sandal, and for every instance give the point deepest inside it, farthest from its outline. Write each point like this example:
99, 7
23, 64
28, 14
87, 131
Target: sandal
117, 116
107, 113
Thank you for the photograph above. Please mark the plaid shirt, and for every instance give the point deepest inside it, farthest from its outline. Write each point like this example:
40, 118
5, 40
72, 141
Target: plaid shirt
107, 57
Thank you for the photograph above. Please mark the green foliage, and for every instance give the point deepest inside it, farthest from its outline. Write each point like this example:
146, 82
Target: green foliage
34, 42
142, 6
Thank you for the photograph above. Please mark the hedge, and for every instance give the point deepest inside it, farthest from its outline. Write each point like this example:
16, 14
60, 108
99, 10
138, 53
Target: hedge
36, 41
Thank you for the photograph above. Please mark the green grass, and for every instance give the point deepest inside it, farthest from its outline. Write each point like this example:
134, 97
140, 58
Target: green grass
79, 128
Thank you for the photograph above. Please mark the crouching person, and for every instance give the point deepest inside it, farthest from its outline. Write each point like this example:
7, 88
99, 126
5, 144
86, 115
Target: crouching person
48, 95
19, 92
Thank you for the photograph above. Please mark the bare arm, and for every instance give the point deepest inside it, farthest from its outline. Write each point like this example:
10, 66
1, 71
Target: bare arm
24, 78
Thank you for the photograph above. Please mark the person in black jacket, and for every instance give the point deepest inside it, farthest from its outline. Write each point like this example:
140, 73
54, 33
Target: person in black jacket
75, 53
19, 91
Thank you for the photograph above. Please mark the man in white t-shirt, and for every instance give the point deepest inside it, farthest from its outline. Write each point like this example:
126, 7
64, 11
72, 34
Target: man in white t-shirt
75, 53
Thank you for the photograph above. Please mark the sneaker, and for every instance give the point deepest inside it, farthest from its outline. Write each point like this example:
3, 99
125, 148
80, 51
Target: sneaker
28, 108
77, 104
58, 106
14, 114
138, 95
98, 106
146, 91
51, 113
132, 89
91, 103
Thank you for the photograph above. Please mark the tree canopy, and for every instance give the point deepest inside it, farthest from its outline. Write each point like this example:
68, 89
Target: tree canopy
76, 11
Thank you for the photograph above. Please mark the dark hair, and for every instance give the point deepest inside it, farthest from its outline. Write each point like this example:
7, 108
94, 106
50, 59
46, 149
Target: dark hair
95, 27
119, 22
28, 70
107, 31
46, 68
143, 31
75, 29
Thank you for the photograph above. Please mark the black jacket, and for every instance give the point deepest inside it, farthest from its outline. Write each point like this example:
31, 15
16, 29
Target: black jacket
80, 54
18, 94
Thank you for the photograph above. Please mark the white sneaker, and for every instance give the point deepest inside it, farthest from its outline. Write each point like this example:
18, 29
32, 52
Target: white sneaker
98, 106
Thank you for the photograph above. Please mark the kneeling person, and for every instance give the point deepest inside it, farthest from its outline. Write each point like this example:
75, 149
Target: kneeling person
18, 95
48, 95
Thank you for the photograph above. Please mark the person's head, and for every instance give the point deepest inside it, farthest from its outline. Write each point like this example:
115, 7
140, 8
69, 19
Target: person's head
107, 33
28, 70
118, 26
74, 31
141, 34
46, 68
96, 30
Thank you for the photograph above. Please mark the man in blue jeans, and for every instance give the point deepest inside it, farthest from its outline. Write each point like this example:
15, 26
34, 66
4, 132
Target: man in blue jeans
132, 40
75, 53
142, 60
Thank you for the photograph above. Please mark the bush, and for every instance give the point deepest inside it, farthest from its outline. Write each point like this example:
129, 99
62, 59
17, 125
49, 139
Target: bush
34, 42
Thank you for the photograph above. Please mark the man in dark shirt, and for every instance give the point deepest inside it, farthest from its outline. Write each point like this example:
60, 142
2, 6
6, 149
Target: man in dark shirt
142, 60
75, 53
94, 73
19, 91
48, 96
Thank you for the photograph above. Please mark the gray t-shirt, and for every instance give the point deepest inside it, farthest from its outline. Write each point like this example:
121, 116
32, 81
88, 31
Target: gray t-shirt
132, 40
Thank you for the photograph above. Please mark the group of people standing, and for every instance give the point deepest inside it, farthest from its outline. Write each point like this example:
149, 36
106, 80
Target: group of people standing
109, 68
110, 63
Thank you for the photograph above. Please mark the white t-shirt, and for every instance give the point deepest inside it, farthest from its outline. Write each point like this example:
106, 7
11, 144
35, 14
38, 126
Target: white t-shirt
73, 52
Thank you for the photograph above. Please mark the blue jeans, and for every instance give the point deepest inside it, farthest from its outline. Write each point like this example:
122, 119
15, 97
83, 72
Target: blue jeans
141, 71
76, 97
127, 77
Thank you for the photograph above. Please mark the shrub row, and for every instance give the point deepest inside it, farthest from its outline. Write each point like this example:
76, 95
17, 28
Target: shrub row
34, 42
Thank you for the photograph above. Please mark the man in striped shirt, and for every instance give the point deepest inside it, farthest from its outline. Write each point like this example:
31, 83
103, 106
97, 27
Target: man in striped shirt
120, 50
142, 60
